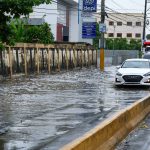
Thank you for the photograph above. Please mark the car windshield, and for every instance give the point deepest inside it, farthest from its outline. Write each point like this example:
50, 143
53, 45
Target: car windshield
136, 64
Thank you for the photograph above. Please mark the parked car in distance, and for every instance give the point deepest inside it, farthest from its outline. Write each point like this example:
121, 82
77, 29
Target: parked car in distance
147, 49
146, 55
133, 72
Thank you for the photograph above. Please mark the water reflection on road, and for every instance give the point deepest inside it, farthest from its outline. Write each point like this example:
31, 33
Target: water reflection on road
49, 111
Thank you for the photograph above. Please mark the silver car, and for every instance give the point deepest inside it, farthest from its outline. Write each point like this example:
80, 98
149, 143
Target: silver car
133, 72
146, 55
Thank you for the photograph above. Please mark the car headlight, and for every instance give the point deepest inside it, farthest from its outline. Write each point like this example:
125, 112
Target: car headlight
147, 74
118, 74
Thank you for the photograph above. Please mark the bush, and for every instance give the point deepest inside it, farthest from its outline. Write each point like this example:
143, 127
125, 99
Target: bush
39, 34
123, 44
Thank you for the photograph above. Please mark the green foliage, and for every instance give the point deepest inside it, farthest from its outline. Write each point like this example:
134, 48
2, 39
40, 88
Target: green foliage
39, 34
148, 36
123, 44
2, 47
14, 9
98, 35
46, 34
17, 31
32, 34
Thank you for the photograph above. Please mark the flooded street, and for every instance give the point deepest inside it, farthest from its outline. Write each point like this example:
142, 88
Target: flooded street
46, 112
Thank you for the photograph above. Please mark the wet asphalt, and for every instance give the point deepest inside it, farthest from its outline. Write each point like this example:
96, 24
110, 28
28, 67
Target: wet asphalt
48, 111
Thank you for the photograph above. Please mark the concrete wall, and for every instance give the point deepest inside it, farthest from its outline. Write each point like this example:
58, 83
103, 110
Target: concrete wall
116, 57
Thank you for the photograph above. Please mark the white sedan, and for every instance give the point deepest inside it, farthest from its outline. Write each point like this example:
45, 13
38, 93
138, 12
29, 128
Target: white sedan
133, 72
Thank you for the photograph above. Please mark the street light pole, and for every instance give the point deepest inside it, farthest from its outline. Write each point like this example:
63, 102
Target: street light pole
102, 36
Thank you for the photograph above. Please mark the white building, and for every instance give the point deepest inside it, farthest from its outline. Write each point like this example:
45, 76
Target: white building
124, 25
62, 16
65, 18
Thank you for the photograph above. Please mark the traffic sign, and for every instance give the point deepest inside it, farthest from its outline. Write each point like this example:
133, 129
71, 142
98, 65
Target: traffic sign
102, 28
89, 30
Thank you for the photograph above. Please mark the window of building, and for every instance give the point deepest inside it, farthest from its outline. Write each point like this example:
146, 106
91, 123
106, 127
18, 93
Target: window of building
129, 23
138, 23
111, 23
137, 35
119, 23
129, 35
119, 35
110, 35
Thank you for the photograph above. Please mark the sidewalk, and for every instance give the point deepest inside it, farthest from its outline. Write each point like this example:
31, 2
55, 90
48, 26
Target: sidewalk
139, 139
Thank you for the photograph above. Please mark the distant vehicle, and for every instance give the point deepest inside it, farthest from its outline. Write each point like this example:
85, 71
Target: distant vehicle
146, 55
146, 46
133, 72
147, 49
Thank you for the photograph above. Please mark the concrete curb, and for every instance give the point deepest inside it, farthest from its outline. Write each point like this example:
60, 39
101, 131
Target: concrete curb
109, 133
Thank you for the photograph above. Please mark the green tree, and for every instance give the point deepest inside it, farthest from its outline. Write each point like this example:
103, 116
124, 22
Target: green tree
148, 36
39, 34
17, 28
46, 34
14, 9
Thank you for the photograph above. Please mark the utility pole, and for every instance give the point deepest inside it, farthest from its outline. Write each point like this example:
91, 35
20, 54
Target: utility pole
144, 25
102, 36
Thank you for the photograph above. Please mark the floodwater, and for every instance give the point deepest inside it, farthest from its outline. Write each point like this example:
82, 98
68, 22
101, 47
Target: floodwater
47, 112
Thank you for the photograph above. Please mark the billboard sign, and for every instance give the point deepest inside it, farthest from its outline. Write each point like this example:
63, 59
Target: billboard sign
89, 30
90, 5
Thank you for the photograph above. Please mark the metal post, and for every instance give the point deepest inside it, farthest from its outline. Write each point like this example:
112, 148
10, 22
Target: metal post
144, 25
114, 39
102, 36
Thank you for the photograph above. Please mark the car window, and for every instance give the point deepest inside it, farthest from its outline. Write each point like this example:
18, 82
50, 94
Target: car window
147, 49
146, 56
136, 64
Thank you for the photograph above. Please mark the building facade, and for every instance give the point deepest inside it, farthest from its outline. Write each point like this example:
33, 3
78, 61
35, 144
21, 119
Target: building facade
65, 19
62, 16
124, 25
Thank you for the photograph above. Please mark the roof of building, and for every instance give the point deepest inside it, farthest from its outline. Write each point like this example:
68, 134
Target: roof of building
35, 21
71, 2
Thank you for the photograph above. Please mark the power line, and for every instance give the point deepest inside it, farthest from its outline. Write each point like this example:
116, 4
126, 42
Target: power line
115, 21
117, 4
125, 14
42, 8
117, 17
